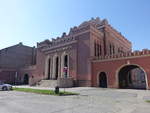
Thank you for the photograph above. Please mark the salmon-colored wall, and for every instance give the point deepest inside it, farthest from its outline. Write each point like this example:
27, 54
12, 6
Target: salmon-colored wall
112, 67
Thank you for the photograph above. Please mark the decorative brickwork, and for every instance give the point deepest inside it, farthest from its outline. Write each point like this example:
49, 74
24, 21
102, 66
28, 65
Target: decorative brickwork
90, 39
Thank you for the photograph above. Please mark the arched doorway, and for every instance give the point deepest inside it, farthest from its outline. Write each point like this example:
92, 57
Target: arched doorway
132, 77
26, 79
103, 80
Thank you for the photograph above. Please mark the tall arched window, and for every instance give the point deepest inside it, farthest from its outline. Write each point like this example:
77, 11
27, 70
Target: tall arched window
66, 61
95, 48
98, 50
118, 50
110, 49
100, 47
113, 49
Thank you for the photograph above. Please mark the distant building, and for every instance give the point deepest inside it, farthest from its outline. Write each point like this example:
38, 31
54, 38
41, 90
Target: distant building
12, 59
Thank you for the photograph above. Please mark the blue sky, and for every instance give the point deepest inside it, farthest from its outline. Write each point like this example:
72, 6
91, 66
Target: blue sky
32, 21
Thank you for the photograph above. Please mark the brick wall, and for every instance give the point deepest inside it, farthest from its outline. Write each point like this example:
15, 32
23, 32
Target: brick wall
17, 56
12, 59
112, 66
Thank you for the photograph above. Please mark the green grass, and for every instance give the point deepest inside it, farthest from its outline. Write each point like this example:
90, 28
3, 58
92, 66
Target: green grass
148, 101
46, 92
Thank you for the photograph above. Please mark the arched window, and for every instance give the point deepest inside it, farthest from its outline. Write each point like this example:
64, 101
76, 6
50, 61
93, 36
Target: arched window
66, 61
113, 49
100, 49
110, 49
118, 50
95, 48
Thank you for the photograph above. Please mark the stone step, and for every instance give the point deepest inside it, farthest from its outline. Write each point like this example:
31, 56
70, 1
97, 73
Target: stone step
61, 82
48, 83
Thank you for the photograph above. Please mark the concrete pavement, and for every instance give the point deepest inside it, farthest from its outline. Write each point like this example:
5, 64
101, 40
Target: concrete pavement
90, 100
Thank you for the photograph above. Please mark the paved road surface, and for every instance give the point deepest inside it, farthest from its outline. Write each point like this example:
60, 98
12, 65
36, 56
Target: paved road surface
91, 100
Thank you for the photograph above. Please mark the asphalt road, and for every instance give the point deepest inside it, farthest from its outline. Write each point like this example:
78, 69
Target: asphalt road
91, 100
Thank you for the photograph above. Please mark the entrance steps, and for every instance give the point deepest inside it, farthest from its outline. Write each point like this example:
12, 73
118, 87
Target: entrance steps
61, 82
48, 83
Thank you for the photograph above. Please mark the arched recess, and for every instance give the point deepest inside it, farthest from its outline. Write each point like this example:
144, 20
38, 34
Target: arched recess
56, 67
132, 77
65, 65
26, 79
48, 68
102, 80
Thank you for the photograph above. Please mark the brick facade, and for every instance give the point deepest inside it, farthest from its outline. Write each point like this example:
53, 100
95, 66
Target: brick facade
112, 66
88, 49
93, 38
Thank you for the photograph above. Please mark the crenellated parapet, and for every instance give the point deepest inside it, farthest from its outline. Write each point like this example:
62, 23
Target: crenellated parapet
95, 25
56, 41
100, 25
119, 33
144, 52
76, 30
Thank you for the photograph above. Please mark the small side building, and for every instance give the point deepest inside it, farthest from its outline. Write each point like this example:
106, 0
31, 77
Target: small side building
12, 59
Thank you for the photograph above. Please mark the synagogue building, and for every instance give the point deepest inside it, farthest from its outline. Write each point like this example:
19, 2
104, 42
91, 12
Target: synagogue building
92, 54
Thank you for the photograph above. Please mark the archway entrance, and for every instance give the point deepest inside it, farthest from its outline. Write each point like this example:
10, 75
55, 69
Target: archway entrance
103, 80
132, 77
26, 79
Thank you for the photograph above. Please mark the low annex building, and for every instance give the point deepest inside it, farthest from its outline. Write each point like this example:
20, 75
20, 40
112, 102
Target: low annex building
91, 54
12, 59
